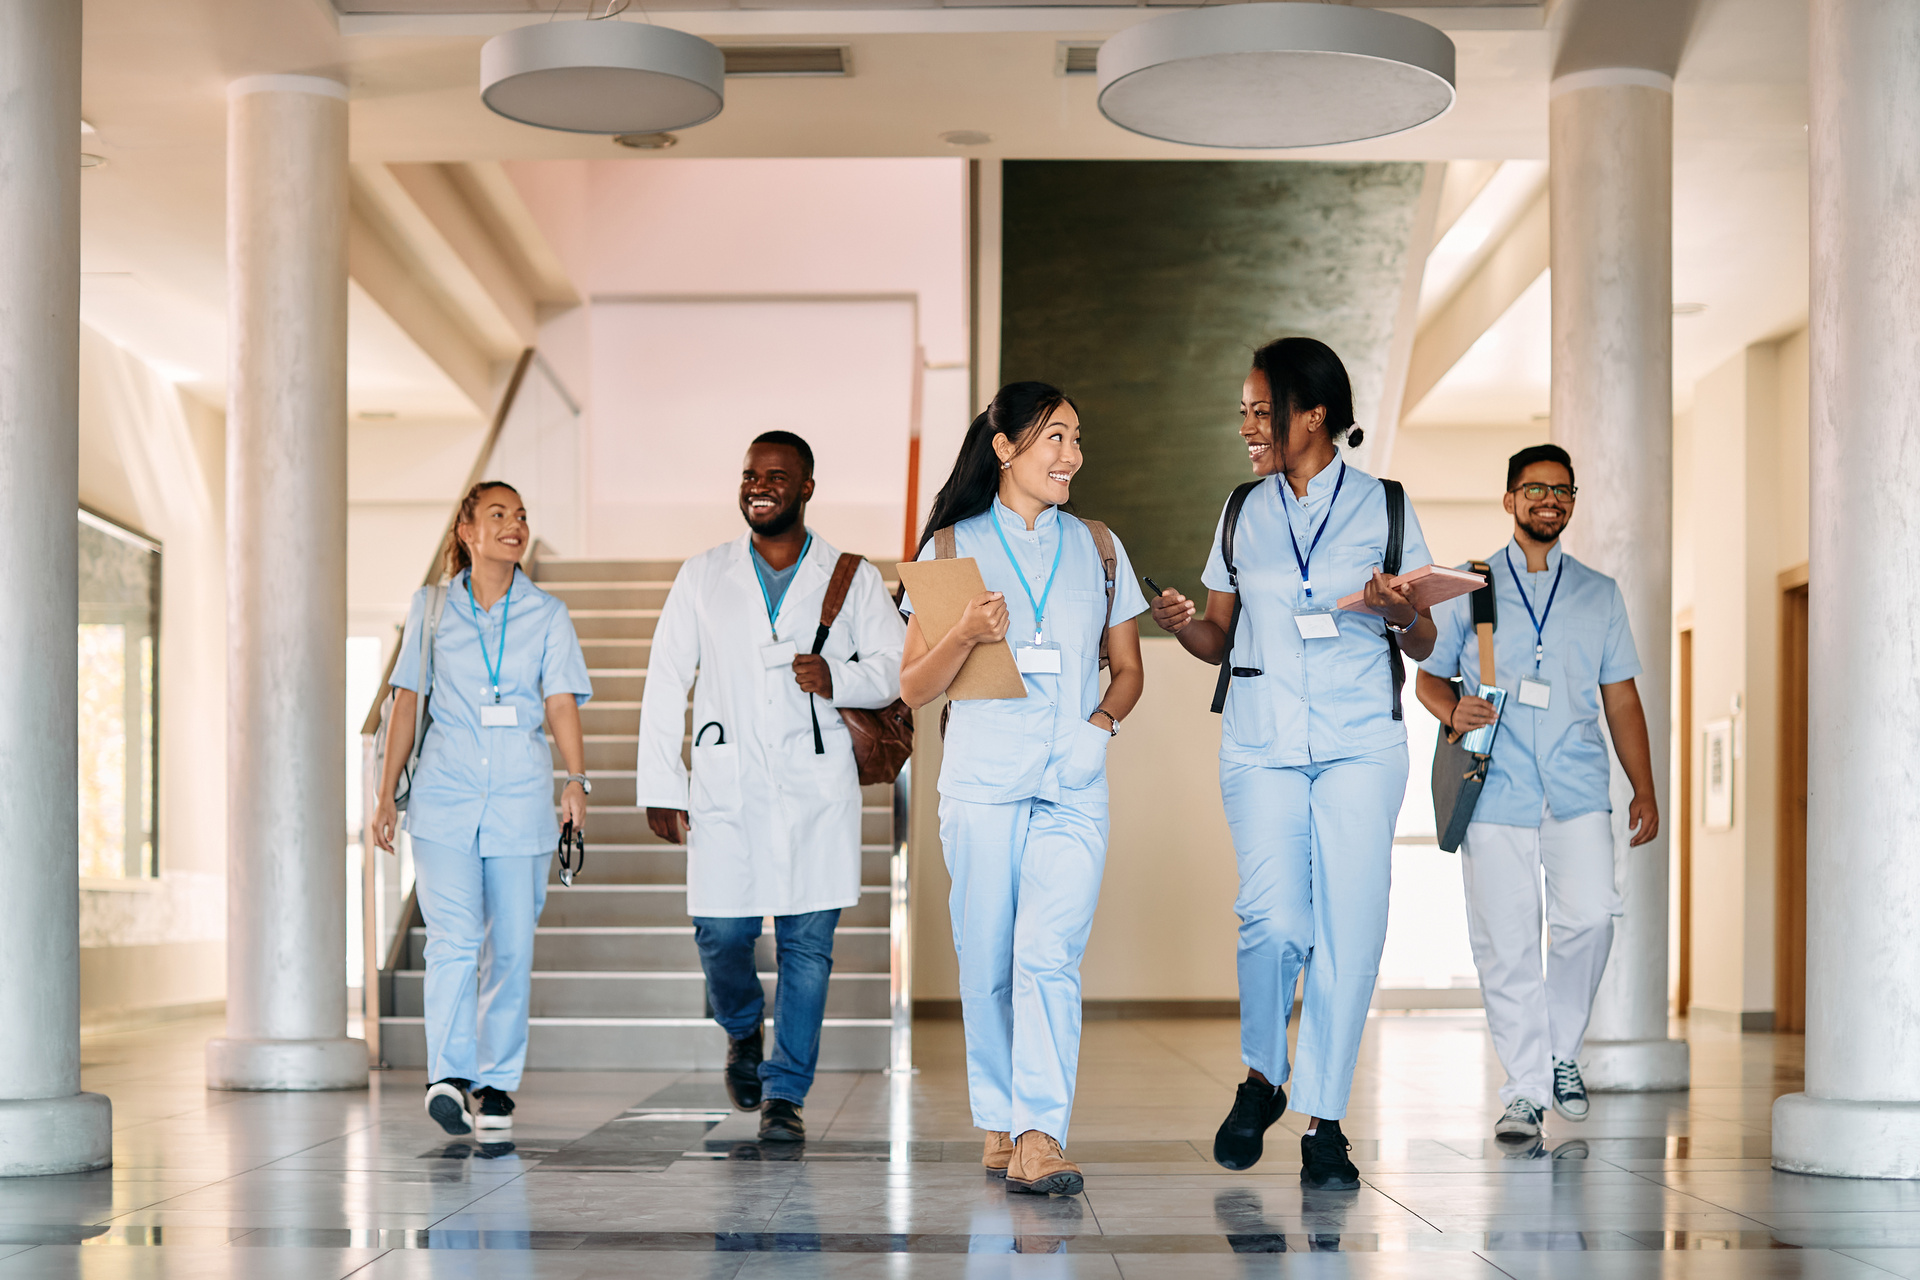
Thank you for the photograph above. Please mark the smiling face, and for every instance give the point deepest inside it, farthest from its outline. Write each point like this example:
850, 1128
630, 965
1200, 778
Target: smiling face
774, 488
498, 530
1544, 518
1266, 454
1042, 465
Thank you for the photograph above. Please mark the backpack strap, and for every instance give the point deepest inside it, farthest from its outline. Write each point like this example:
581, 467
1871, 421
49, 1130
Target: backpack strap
1390, 565
1235, 501
1109, 564
843, 570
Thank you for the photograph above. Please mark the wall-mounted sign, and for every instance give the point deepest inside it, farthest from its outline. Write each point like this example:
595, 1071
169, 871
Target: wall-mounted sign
1716, 770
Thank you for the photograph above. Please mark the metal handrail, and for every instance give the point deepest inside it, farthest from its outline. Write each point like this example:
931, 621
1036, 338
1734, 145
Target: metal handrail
376, 964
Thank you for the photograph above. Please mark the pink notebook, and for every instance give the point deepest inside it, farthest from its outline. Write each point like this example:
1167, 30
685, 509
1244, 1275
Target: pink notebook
1430, 585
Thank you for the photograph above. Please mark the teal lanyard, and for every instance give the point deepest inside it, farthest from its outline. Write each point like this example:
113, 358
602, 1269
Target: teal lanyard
493, 668
1040, 605
773, 610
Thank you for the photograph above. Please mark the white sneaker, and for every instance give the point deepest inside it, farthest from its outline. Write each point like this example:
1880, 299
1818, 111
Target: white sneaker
1520, 1120
1569, 1090
447, 1104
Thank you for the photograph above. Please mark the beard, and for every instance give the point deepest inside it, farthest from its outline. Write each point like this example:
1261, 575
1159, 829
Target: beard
1541, 531
777, 523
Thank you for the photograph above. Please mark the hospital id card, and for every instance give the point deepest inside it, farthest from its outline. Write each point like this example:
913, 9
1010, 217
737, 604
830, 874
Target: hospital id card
779, 654
499, 715
1535, 693
1318, 625
1037, 659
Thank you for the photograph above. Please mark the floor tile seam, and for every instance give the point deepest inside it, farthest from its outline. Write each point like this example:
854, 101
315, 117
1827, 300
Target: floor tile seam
1498, 1269
363, 1267
1865, 1262
845, 1098
1405, 1208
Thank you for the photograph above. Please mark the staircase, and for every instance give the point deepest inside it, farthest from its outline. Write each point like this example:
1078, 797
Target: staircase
616, 978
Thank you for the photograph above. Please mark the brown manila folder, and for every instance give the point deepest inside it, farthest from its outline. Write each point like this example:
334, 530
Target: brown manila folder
940, 590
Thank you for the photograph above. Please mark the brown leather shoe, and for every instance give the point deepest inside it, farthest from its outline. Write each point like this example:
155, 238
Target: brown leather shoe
1039, 1168
998, 1153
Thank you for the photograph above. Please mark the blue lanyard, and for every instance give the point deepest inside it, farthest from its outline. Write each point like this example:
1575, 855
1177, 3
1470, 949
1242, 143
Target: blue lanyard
773, 610
1040, 605
1540, 622
493, 668
1305, 562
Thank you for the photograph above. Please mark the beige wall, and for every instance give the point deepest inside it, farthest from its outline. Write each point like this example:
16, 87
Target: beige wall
1741, 519
1455, 477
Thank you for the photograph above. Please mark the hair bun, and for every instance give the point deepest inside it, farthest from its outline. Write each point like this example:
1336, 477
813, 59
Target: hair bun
1354, 436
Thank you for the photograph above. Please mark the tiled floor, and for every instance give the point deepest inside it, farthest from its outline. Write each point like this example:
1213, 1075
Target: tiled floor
648, 1174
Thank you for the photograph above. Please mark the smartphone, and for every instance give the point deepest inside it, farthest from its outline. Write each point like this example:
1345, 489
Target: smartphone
1151, 585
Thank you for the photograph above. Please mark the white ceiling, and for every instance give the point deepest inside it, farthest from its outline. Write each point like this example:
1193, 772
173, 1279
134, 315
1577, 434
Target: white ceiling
154, 81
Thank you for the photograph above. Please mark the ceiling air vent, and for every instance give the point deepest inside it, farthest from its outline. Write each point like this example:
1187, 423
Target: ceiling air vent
1075, 59
788, 60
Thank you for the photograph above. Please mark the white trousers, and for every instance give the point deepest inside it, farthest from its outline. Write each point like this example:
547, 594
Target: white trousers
1535, 1016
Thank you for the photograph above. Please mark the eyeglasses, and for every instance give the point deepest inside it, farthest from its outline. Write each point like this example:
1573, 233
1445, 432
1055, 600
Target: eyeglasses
1535, 492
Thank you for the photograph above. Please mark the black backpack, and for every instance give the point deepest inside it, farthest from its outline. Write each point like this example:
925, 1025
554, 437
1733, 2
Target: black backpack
1390, 564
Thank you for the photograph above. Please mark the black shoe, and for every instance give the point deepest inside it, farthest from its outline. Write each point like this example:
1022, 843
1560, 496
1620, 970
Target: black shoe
743, 1070
493, 1108
780, 1122
447, 1104
1323, 1160
1243, 1133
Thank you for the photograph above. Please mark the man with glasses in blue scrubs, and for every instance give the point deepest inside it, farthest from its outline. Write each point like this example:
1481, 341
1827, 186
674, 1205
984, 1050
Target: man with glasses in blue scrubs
1563, 653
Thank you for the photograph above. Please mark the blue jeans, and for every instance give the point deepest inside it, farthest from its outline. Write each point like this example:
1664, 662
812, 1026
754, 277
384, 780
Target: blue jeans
803, 947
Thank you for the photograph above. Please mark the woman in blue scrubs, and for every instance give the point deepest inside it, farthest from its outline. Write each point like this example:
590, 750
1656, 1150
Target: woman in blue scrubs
1023, 781
506, 666
1313, 754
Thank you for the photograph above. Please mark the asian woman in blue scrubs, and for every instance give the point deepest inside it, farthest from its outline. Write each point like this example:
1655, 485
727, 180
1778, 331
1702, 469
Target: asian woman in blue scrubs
1023, 781
1313, 757
506, 666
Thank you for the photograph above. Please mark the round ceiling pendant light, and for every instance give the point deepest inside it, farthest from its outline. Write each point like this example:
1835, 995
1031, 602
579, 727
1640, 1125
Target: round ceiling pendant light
1275, 75
603, 77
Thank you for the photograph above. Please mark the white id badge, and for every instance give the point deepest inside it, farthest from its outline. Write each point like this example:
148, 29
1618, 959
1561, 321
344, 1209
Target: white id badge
1038, 659
1317, 626
500, 715
1535, 693
779, 654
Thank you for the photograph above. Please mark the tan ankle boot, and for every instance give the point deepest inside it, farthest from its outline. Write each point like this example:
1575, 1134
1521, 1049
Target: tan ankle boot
1039, 1167
998, 1153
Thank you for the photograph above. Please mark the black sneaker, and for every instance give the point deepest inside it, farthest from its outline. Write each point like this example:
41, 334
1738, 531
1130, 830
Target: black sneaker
743, 1070
493, 1108
1323, 1160
1242, 1135
780, 1122
447, 1104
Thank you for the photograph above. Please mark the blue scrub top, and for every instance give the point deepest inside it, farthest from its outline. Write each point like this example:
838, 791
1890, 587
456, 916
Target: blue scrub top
999, 750
491, 783
1558, 755
1316, 700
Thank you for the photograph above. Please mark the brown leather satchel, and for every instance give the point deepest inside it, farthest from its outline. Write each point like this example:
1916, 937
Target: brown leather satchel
883, 739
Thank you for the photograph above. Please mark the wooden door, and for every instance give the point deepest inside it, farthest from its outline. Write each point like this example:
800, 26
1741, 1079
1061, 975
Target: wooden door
1790, 897
1682, 819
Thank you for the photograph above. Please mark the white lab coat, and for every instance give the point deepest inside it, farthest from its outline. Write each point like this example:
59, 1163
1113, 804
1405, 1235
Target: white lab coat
776, 828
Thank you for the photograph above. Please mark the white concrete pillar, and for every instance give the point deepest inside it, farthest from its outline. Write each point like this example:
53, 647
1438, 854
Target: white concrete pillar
1611, 191
286, 590
1860, 1114
46, 1124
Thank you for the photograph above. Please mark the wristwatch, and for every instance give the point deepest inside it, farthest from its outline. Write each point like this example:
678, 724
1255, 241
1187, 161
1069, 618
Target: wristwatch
586, 783
1400, 631
1113, 724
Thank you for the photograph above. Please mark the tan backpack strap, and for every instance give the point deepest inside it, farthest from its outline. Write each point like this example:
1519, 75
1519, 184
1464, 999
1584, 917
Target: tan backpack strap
843, 571
943, 545
1109, 565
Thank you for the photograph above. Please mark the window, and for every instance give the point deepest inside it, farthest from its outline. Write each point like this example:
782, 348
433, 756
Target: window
119, 634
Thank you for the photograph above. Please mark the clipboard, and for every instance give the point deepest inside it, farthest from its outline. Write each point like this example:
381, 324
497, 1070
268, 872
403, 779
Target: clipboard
940, 590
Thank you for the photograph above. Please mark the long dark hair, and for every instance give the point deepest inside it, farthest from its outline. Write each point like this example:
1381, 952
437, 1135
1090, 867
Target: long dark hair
1015, 410
1304, 373
457, 555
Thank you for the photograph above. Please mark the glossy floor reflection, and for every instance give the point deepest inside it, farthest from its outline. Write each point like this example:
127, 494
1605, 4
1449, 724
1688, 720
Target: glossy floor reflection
621, 1174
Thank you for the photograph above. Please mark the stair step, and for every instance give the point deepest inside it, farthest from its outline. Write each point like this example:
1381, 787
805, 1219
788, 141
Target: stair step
624, 824
856, 949
658, 994
610, 595
595, 905
552, 569
613, 788
615, 624
645, 1044
666, 864
615, 653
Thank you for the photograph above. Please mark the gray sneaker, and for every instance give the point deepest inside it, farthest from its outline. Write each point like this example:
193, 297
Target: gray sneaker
1569, 1090
1521, 1120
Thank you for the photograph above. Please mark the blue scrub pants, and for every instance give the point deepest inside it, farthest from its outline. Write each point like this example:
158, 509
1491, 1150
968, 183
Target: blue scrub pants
803, 957
1315, 849
480, 914
1026, 878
